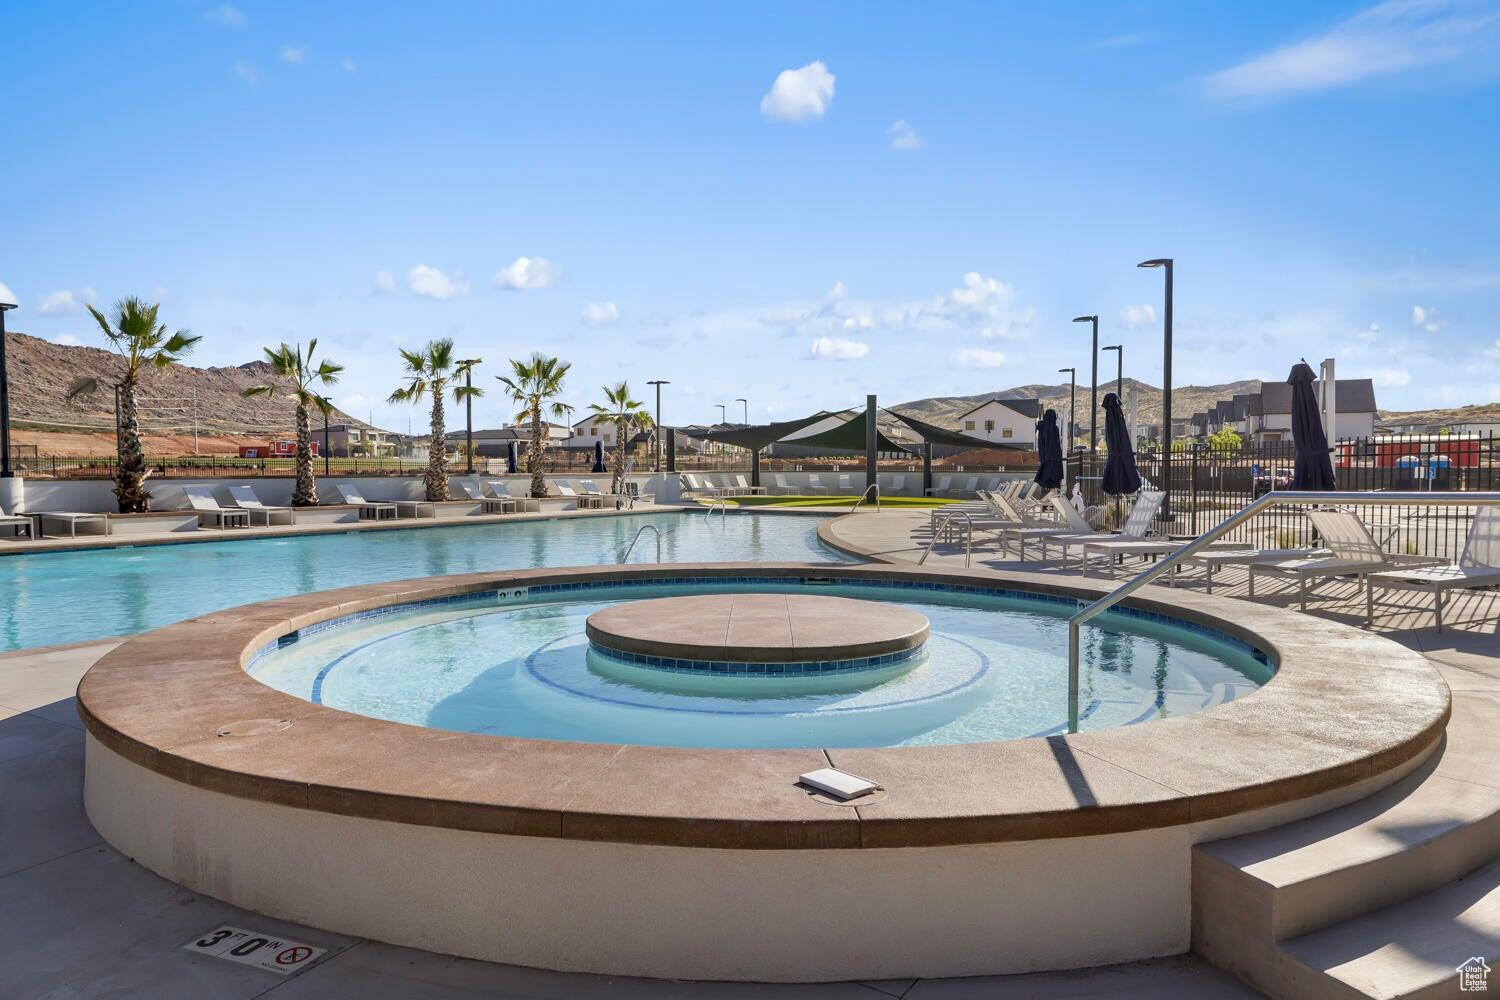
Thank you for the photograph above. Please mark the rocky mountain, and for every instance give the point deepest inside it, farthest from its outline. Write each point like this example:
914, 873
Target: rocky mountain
1186, 400
41, 371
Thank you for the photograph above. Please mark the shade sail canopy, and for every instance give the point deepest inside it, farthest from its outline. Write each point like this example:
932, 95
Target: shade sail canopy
1049, 473
756, 438
1120, 474
933, 434
1313, 469
849, 436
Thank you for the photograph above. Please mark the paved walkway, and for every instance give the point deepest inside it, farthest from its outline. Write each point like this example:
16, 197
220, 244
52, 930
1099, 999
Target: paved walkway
80, 920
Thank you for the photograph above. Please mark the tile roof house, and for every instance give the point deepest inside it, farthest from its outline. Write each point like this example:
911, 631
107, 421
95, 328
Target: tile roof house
1004, 421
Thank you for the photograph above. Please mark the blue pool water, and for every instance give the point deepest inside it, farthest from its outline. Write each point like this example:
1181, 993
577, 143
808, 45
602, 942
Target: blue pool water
52, 598
993, 668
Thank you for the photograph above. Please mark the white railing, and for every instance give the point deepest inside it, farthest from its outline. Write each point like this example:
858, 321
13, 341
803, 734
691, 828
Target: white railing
937, 532
873, 487
1193, 547
625, 556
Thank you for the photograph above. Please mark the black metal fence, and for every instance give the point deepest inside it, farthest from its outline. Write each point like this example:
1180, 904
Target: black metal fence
1206, 485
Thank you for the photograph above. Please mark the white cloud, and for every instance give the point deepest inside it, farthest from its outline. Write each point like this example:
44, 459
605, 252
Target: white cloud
227, 16
903, 136
838, 349
980, 299
293, 54
8, 296
63, 302
837, 292
1426, 318
977, 357
385, 281
528, 274
347, 65
245, 71
1135, 317
601, 313
67, 340
431, 283
1391, 377
1391, 37
799, 94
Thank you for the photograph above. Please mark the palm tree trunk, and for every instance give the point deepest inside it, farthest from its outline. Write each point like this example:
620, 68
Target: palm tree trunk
617, 485
306, 493
534, 454
130, 479
436, 476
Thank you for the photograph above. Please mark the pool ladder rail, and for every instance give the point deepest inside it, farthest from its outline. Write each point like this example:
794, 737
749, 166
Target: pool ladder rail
942, 526
872, 488
625, 556
719, 504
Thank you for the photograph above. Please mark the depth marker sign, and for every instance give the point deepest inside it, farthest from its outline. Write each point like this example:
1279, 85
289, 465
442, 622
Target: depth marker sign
262, 951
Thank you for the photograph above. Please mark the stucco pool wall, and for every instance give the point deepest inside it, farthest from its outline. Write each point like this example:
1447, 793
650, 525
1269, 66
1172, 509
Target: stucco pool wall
712, 864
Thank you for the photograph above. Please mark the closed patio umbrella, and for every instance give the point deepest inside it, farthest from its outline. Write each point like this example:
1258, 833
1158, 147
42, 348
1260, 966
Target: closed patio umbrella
510, 458
1314, 469
1120, 474
598, 457
1049, 473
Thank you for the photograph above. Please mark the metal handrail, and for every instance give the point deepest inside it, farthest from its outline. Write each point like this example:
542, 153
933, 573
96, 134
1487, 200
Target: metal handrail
639, 532
866, 495
717, 502
938, 533
1192, 548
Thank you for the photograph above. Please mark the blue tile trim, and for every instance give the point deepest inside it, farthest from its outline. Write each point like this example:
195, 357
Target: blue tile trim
806, 668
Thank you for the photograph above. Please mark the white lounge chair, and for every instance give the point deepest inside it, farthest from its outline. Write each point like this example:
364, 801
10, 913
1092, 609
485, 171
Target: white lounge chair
1066, 524
591, 489
746, 489
376, 509
1353, 551
71, 518
1478, 566
581, 502
17, 523
1132, 541
970, 488
244, 497
1137, 524
846, 486
488, 505
501, 491
784, 488
201, 499
815, 486
940, 488
897, 486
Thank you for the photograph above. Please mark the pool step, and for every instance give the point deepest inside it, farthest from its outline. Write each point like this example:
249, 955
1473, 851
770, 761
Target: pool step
1254, 893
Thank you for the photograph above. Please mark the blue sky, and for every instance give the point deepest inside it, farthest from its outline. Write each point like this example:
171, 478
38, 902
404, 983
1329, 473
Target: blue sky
796, 203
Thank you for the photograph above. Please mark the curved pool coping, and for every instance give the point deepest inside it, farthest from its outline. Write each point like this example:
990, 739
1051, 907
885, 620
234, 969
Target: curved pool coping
1344, 707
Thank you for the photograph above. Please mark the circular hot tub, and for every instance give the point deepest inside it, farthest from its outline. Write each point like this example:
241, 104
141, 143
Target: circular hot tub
444, 764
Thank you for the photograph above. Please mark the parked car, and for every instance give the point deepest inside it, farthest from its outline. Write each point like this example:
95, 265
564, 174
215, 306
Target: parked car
1270, 479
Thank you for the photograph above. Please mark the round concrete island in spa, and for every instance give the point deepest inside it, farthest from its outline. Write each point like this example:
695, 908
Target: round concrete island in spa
758, 634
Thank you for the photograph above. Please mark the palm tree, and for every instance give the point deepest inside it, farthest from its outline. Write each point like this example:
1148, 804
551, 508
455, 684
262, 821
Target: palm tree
535, 384
142, 343
428, 372
295, 374
628, 416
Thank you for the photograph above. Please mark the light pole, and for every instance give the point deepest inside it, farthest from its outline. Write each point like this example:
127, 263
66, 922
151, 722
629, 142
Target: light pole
325, 438
469, 412
1166, 386
1072, 404
723, 414
1119, 350
1093, 383
657, 435
5, 470
740, 399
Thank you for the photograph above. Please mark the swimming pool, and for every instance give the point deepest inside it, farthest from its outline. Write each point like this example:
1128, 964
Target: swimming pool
54, 598
519, 664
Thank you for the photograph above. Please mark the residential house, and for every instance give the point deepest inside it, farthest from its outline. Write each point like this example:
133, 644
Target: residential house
1003, 421
345, 439
1270, 413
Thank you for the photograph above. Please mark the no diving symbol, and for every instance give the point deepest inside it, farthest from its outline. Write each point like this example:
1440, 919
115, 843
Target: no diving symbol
293, 955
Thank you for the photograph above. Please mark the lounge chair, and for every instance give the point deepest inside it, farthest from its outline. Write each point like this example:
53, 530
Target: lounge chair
1478, 566
501, 491
815, 486
1137, 523
581, 502
376, 509
590, 489
897, 486
748, 490
970, 488
70, 518
17, 523
1132, 542
245, 499
784, 488
489, 505
1213, 561
1067, 525
940, 488
846, 486
1353, 551
201, 499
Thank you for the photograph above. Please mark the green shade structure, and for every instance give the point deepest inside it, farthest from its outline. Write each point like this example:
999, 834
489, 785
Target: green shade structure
756, 438
851, 435
933, 434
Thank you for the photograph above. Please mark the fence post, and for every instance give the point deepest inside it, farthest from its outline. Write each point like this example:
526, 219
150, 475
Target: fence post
1193, 490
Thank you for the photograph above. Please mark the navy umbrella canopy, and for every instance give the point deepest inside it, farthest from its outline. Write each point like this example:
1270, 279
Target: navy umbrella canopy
1049, 473
1120, 474
1314, 469
510, 458
598, 457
